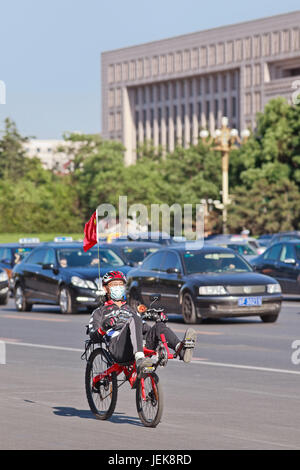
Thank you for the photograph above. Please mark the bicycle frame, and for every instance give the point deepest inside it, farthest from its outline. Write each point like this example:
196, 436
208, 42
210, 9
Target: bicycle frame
130, 371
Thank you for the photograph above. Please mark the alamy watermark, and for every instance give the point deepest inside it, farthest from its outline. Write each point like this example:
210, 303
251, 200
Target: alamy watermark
185, 223
295, 358
2, 92
296, 93
2, 353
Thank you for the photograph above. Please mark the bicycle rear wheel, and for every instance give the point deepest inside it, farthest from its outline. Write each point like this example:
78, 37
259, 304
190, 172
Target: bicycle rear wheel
102, 395
149, 400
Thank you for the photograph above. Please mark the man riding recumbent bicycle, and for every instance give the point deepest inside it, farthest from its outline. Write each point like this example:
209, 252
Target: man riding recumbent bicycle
122, 342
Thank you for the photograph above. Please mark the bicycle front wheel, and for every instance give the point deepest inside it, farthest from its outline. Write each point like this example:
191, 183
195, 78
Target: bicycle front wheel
149, 400
101, 394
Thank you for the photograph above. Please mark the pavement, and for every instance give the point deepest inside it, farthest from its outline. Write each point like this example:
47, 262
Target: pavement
239, 392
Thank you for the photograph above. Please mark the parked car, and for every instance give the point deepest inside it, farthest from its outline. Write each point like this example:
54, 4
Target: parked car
285, 236
133, 253
63, 274
4, 287
242, 247
211, 282
163, 238
12, 253
282, 262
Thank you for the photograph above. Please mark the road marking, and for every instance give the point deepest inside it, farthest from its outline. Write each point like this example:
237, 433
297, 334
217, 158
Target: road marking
45, 346
240, 366
196, 360
200, 332
21, 317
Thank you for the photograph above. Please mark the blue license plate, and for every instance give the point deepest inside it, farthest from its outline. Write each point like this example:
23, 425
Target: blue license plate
249, 301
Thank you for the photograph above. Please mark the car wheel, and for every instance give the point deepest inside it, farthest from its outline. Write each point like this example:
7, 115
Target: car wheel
269, 318
20, 300
189, 309
66, 303
4, 300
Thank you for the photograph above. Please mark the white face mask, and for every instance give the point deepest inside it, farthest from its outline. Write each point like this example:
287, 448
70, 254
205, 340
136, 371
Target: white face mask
117, 292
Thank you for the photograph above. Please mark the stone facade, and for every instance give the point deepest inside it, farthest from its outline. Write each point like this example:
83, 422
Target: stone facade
166, 91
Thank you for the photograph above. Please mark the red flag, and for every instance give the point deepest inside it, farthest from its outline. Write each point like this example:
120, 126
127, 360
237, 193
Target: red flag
90, 233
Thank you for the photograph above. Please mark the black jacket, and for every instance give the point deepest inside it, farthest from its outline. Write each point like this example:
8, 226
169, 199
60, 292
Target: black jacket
100, 319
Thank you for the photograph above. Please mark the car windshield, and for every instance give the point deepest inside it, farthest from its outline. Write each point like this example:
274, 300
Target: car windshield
138, 254
214, 263
21, 253
76, 257
242, 249
297, 248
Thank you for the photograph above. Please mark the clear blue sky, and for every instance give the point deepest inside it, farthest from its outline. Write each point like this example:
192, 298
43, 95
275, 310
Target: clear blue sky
50, 50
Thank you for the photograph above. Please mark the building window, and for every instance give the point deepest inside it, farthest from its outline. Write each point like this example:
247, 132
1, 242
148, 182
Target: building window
155, 66
125, 71
216, 109
207, 111
233, 107
207, 85
224, 107
233, 80
170, 63
203, 56
216, 88
248, 81
199, 113
256, 46
248, 103
224, 82
199, 84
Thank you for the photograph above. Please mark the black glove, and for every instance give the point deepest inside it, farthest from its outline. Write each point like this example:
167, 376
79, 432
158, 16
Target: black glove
109, 322
162, 317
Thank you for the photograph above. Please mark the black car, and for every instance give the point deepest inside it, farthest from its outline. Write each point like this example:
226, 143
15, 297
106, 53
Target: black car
282, 262
211, 282
133, 253
284, 236
13, 253
63, 274
4, 288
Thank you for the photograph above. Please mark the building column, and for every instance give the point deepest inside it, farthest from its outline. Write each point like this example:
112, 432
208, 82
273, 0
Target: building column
129, 134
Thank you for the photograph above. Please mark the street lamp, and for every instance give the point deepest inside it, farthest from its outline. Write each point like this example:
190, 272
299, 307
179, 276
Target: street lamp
224, 139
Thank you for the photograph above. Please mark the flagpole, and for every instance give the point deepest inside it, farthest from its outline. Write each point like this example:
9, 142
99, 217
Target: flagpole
98, 247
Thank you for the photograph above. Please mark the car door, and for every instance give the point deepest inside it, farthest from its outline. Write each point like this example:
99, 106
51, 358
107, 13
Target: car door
288, 268
170, 281
269, 263
148, 276
48, 277
32, 267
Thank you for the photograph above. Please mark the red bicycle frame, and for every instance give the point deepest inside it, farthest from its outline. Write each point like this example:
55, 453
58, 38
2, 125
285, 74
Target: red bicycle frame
130, 371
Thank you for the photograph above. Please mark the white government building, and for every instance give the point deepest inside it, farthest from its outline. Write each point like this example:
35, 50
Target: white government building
47, 151
166, 91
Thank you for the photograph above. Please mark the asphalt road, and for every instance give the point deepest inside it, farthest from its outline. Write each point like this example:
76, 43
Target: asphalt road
240, 392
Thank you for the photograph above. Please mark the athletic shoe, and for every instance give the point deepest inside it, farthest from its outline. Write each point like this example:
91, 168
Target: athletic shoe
142, 364
187, 345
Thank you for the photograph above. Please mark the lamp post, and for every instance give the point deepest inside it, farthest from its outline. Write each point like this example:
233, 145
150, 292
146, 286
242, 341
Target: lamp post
224, 139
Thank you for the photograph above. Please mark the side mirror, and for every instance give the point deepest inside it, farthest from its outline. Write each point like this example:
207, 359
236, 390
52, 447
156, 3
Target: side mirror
173, 271
48, 266
290, 261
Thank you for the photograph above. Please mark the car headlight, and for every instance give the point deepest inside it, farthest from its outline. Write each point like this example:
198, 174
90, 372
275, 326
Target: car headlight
3, 276
212, 290
86, 284
273, 289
